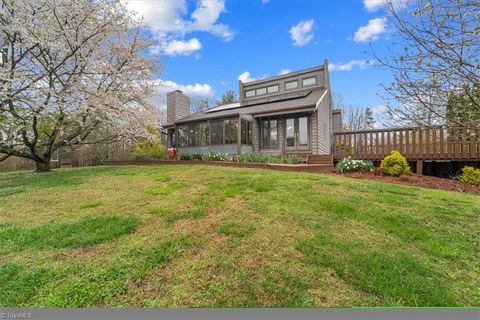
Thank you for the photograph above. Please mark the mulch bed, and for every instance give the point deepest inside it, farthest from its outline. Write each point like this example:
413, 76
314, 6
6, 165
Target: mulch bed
418, 181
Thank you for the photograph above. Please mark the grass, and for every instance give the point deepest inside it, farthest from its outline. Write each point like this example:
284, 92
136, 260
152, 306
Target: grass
86, 232
195, 236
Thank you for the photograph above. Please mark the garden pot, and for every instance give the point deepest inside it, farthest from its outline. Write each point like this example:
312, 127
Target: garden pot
171, 153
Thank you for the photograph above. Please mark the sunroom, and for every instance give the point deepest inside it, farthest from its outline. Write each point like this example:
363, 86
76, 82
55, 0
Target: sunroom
231, 135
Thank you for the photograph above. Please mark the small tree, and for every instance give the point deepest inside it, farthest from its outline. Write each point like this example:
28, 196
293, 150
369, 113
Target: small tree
462, 109
228, 97
70, 68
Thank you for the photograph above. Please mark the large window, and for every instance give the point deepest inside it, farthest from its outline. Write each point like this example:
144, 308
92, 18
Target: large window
182, 136
204, 133
193, 134
261, 91
216, 128
291, 85
269, 131
308, 82
230, 130
272, 89
246, 132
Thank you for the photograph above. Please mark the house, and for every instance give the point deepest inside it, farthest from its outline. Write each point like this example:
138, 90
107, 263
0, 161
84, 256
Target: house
286, 114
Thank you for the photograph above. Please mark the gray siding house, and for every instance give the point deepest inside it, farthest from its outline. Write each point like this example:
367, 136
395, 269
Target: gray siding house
290, 113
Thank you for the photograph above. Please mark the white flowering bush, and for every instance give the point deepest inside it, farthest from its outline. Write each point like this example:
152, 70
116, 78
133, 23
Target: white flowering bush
215, 156
349, 165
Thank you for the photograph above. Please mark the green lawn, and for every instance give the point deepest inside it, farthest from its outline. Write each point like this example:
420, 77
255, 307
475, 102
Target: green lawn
225, 237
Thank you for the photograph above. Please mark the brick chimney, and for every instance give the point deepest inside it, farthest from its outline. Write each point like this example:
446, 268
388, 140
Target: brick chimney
178, 106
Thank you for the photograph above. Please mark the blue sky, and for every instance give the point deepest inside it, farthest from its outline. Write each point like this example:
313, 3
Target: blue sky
206, 45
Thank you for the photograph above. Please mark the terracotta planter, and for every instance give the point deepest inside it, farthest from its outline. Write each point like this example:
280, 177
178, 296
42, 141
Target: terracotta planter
171, 153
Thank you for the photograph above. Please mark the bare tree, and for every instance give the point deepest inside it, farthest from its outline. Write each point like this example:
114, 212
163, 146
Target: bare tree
70, 68
353, 119
435, 54
199, 104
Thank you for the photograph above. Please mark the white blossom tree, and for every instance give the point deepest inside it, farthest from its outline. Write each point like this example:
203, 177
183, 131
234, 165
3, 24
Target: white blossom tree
435, 54
70, 68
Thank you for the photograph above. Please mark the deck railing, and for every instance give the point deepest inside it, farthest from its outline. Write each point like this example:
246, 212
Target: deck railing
432, 143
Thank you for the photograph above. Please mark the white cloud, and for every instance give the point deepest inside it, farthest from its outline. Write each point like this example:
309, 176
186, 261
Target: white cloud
371, 31
379, 109
246, 77
191, 90
181, 47
302, 33
265, 1
348, 66
163, 87
169, 22
374, 5
205, 17
284, 71
163, 18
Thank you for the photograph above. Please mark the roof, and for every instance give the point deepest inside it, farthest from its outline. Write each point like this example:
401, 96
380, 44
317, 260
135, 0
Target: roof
224, 107
308, 98
285, 75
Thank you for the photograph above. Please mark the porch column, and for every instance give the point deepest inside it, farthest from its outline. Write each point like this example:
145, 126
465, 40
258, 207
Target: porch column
419, 169
239, 135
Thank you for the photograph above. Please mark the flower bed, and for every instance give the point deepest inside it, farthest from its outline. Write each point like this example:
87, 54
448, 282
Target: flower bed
254, 157
351, 165
417, 180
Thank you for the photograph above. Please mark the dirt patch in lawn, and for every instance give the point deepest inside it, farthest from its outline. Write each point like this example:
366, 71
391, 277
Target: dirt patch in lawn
418, 181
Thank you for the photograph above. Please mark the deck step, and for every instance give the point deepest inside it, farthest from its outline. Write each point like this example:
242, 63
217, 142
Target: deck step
320, 159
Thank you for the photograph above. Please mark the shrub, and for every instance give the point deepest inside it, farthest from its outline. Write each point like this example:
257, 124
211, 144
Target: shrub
268, 158
349, 165
149, 150
395, 164
214, 156
292, 159
252, 157
196, 156
184, 156
274, 159
470, 175
344, 148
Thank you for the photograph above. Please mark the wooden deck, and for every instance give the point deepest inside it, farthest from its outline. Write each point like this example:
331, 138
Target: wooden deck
416, 144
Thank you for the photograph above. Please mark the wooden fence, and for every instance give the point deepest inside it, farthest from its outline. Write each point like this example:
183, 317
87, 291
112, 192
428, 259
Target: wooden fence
433, 143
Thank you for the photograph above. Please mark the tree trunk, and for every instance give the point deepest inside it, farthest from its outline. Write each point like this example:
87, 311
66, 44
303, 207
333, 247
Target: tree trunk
43, 165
